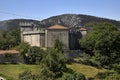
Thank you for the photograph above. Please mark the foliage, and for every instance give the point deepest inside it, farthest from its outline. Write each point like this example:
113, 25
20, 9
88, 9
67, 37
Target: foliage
113, 77
54, 63
23, 49
101, 75
45, 73
107, 76
12, 71
103, 42
34, 55
58, 46
88, 60
9, 39
26, 75
74, 76
116, 68
8, 57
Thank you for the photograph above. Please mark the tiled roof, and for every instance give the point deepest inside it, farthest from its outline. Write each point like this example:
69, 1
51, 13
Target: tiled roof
57, 27
82, 29
8, 51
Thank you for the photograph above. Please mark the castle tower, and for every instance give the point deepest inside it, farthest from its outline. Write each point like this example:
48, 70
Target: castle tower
83, 31
32, 34
57, 32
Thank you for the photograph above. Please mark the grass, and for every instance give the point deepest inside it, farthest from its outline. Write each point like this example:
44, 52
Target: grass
88, 71
13, 70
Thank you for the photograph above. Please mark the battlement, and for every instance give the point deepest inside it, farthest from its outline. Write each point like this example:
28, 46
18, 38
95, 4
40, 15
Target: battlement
33, 32
26, 23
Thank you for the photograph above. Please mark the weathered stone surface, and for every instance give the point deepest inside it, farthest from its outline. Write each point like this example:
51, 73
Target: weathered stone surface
45, 37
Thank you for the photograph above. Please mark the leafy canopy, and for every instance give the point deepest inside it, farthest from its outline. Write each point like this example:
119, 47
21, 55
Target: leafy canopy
103, 42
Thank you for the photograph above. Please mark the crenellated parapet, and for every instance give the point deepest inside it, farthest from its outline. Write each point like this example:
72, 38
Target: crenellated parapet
23, 24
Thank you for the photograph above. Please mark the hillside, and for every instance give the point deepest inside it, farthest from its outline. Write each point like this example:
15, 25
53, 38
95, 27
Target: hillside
76, 20
14, 23
69, 20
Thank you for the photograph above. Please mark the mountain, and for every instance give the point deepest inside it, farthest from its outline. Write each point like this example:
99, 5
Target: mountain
68, 20
76, 20
14, 23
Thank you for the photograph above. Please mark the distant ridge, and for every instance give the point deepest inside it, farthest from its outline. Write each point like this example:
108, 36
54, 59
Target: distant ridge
76, 20
68, 20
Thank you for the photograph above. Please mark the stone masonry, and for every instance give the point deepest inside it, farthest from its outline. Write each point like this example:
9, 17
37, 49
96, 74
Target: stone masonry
45, 37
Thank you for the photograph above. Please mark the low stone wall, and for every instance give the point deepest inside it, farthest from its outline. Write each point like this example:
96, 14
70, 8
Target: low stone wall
13, 59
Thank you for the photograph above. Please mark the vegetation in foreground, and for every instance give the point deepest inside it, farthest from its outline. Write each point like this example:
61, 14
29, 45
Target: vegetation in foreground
101, 49
13, 70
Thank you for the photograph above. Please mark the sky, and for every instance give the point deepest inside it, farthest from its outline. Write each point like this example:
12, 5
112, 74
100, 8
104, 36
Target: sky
42, 9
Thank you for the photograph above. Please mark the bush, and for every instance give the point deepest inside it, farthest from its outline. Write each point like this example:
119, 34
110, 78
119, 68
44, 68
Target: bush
34, 55
90, 78
53, 63
74, 76
88, 60
26, 75
113, 77
101, 75
116, 67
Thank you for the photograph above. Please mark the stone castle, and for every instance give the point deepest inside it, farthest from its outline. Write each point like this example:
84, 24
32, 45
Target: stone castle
45, 37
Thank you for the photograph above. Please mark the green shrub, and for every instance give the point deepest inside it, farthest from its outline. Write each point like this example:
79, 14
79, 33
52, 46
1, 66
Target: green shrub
101, 75
74, 76
116, 67
113, 77
88, 60
26, 75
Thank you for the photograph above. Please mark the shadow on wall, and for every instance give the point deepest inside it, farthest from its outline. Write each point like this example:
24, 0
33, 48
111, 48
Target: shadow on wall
71, 54
74, 40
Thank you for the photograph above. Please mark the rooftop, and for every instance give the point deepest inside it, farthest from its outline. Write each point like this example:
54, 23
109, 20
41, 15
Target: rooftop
57, 27
82, 29
8, 51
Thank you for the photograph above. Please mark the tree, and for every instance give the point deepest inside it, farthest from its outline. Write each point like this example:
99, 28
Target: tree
9, 39
23, 49
54, 63
103, 42
34, 55
16, 35
74, 76
58, 46
26, 75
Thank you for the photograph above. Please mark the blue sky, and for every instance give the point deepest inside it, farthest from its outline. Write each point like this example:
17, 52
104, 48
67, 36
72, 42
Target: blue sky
41, 9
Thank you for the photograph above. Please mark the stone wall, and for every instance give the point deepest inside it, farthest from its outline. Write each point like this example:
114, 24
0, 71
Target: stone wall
61, 34
33, 40
13, 59
45, 37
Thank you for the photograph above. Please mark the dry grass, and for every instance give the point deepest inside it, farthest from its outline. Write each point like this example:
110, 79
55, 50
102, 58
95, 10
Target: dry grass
14, 70
88, 71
